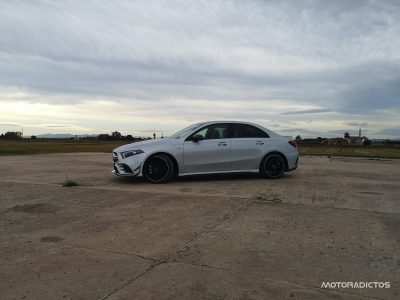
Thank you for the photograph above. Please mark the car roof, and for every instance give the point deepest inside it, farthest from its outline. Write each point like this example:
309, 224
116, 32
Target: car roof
228, 121
270, 132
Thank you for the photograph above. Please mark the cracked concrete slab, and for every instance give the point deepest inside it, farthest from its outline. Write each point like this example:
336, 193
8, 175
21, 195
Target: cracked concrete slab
305, 246
35, 270
231, 236
149, 225
177, 280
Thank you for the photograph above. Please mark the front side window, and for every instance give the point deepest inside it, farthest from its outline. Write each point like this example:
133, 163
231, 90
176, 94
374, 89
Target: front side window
247, 131
185, 131
212, 132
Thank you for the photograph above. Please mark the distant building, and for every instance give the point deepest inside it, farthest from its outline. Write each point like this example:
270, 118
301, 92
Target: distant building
356, 140
335, 142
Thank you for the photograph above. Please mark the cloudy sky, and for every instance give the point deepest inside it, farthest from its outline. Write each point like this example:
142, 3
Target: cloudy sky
314, 68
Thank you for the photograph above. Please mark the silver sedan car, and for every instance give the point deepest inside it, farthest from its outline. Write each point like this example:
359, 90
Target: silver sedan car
209, 148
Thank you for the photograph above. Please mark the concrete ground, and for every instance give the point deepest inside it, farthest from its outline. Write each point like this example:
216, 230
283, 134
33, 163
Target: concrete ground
213, 237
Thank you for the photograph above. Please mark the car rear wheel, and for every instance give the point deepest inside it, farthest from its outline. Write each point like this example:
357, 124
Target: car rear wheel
158, 168
273, 166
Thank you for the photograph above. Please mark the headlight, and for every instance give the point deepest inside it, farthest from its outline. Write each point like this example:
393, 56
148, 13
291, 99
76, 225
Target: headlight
130, 153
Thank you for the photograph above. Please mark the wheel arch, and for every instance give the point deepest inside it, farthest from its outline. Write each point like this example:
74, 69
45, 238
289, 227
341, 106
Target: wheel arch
276, 152
173, 159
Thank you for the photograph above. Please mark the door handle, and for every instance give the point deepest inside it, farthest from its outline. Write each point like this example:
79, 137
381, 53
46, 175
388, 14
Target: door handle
259, 143
222, 144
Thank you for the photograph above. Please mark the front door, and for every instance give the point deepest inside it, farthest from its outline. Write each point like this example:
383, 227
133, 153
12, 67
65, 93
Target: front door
211, 154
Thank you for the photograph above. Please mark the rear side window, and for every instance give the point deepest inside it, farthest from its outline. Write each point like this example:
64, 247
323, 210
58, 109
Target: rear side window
247, 131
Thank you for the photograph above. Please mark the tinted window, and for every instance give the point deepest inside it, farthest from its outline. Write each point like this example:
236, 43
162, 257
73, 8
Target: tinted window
211, 132
247, 131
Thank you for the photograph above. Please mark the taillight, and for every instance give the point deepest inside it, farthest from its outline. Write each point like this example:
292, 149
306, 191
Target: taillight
293, 143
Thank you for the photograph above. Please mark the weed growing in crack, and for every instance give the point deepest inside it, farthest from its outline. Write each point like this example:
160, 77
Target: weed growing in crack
69, 182
264, 198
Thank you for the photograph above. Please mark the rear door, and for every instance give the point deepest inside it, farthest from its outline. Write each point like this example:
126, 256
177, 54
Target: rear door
248, 145
212, 154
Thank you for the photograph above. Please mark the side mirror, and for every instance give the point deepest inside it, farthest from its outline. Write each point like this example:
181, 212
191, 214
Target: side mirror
197, 138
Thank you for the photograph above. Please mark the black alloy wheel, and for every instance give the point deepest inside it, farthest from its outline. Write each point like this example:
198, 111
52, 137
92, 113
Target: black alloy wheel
273, 166
158, 168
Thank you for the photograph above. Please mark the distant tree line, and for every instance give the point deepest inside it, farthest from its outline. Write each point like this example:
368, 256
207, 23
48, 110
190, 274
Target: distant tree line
117, 136
391, 142
114, 136
11, 135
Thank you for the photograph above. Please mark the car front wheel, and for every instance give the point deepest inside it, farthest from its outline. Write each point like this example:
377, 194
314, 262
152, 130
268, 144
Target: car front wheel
158, 169
273, 166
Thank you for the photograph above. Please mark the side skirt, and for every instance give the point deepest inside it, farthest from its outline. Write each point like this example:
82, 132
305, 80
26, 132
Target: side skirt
222, 172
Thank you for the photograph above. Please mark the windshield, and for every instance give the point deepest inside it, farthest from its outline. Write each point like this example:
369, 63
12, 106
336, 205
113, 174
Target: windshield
185, 131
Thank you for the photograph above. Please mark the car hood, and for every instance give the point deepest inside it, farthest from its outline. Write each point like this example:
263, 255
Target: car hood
145, 144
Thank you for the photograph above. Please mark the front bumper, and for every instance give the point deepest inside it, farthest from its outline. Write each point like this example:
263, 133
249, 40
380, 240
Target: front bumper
125, 170
126, 167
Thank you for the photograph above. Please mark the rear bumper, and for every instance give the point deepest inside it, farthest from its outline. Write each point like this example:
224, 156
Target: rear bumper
293, 161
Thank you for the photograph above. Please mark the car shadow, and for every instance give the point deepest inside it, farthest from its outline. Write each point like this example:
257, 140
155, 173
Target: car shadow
218, 177
204, 178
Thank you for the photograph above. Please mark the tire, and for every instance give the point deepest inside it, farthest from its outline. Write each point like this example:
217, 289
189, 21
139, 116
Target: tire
158, 168
273, 166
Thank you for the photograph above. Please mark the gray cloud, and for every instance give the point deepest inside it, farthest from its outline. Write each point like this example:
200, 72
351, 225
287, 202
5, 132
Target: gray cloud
391, 132
360, 124
304, 132
307, 111
336, 57
10, 124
